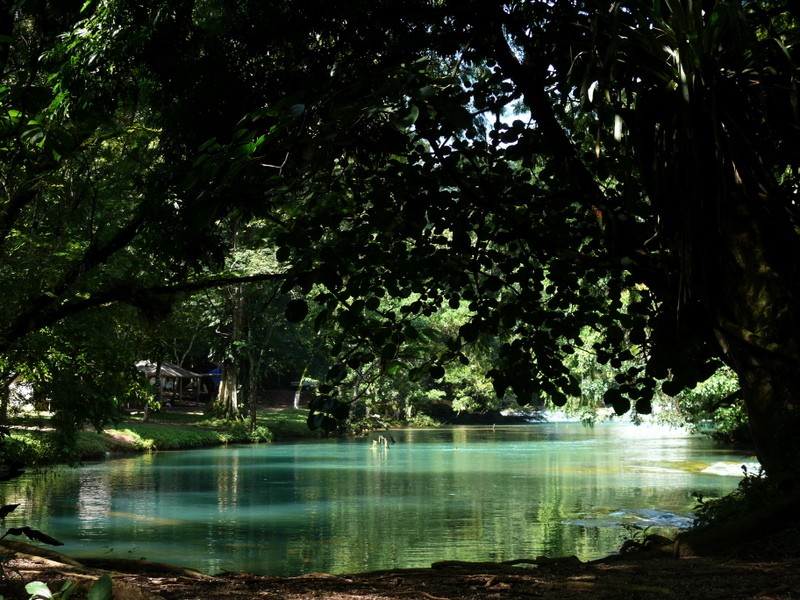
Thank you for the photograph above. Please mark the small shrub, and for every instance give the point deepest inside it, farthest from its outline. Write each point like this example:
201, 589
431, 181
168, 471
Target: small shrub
422, 420
89, 446
753, 492
634, 538
29, 449
260, 435
99, 590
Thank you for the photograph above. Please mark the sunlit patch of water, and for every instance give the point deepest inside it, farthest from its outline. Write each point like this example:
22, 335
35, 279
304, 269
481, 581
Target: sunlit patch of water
732, 469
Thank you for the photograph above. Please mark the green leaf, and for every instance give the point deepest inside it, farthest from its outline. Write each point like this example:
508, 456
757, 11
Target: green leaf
621, 406
426, 92
612, 395
558, 399
102, 589
436, 371
38, 589
337, 372
67, 589
340, 411
394, 368
469, 332
296, 310
315, 421
408, 119
389, 351
672, 388
637, 336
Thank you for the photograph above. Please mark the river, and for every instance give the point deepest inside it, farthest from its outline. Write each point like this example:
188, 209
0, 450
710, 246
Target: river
465, 493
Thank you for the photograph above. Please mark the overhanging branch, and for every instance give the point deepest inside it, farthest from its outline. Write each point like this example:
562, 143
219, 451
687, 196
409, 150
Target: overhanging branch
124, 294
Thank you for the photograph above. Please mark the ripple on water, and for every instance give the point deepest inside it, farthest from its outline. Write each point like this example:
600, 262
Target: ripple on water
644, 517
731, 469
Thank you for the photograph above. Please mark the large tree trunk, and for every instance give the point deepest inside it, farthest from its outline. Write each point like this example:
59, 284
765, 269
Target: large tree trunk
227, 402
758, 325
252, 404
712, 121
737, 255
771, 391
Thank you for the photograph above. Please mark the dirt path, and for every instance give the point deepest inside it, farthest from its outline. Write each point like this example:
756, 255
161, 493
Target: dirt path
640, 576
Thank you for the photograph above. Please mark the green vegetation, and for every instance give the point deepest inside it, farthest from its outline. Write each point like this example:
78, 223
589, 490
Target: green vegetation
101, 589
34, 443
753, 493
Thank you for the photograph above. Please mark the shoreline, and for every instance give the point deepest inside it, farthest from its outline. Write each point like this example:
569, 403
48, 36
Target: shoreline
186, 428
655, 573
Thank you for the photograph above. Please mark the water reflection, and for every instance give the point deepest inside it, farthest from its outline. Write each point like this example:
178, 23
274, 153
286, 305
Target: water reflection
94, 497
345, 506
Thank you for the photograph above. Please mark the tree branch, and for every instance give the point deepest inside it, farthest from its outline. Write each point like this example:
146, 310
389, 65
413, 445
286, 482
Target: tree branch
530, 76
33, 321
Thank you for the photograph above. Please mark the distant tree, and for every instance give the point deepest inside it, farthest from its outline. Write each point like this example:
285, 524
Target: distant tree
82, 370
252, 340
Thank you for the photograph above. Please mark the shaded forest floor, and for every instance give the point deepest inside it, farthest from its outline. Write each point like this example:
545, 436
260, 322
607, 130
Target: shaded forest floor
769, 569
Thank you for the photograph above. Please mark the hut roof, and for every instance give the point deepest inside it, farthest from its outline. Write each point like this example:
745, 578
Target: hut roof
167, 370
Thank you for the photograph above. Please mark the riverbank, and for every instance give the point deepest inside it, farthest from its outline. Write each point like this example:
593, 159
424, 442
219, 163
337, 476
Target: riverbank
32, 439
767, 569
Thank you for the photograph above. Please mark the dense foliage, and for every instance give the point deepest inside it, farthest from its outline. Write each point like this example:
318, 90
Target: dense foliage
530, 191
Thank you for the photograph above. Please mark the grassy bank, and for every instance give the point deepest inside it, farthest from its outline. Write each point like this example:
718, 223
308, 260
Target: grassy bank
33, 441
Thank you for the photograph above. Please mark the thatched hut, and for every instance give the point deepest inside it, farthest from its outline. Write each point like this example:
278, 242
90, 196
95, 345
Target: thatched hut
172, 383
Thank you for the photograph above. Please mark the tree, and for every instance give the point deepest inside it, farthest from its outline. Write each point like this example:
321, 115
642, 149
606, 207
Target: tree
253, 339
705, 90
394, 382
659, 156
90, 213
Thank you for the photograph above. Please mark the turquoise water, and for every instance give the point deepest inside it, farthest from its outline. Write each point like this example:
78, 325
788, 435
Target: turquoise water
466, 493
